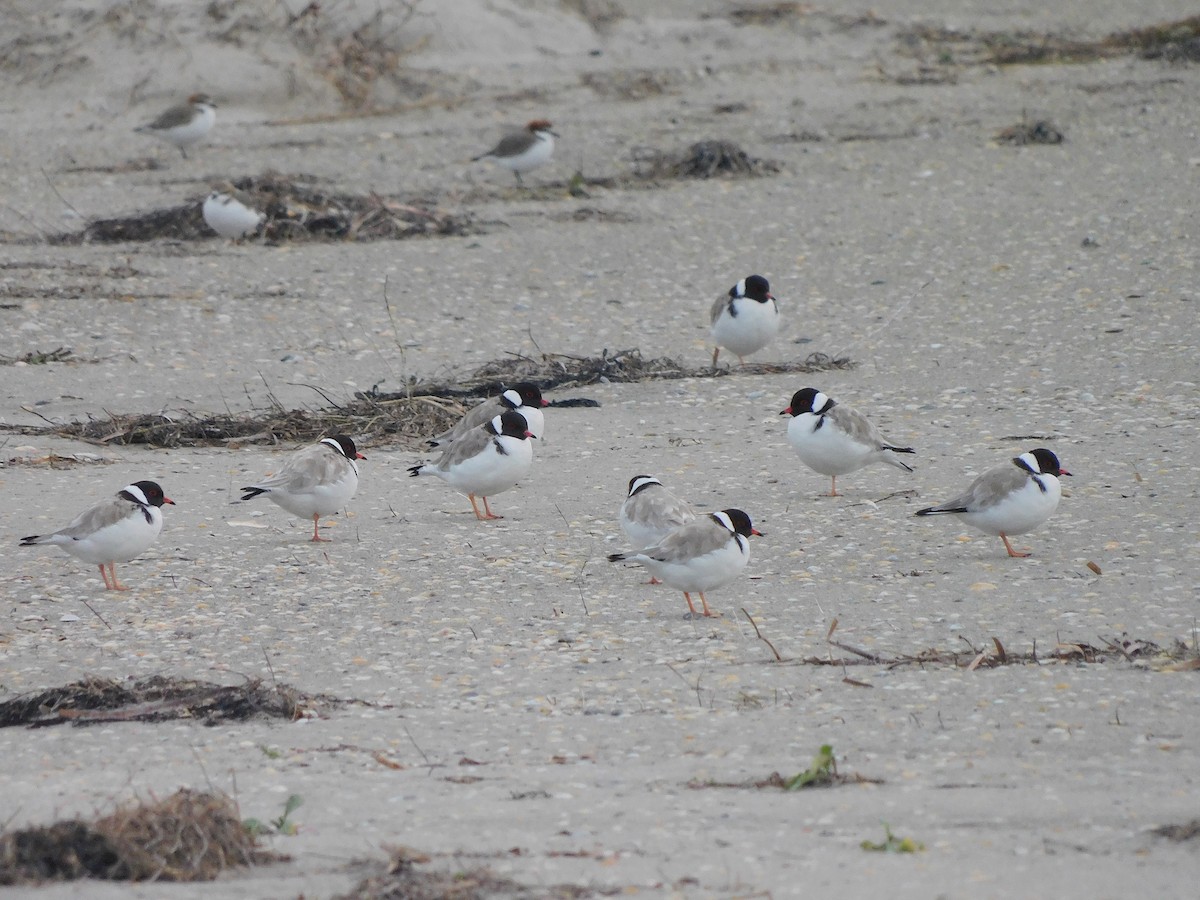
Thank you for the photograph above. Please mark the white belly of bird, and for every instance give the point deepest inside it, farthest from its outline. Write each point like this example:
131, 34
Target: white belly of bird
701, 573
827, 449
535, 156
116, 543
489, 473
323, 500
232, 219
193, 131
750, 330
1019, 512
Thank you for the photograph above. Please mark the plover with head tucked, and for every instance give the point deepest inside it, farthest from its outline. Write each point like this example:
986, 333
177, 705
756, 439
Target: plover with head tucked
230, 214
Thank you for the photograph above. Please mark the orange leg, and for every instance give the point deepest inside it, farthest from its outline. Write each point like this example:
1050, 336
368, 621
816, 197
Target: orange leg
716, 353
488, 510
110, 580
707, 612
688, 598
474, 507
833, 488
653, 580
316, 536
1007, 546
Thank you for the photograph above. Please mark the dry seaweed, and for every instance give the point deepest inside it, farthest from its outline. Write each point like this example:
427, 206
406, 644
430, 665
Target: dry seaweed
704, 159
296, 209
189, 836
1177, 41
407, 417
561, 370
41, 357
155, 699
1179, 833
407, 878
1026, 132
776, 781
405, 420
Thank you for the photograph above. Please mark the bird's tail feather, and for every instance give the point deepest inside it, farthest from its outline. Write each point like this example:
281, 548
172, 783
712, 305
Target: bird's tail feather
940, 510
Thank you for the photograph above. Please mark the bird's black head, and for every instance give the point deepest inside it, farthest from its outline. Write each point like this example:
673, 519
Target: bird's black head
757, 288
809, 400
512, 424
640, 482
344, 445
1041, 462
740, 522
530, 394
151, 493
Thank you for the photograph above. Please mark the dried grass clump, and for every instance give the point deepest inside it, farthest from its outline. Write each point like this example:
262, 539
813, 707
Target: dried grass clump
371, 418
155, 699
189, 836
1177, 41
704, 159
407, 417
563, 370
296, 209
405, 878
1039, 132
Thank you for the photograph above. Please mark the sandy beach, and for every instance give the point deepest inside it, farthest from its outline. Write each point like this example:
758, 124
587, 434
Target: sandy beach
497, 695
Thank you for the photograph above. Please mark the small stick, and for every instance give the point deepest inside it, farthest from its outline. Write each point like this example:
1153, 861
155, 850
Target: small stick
750, 619
97, 615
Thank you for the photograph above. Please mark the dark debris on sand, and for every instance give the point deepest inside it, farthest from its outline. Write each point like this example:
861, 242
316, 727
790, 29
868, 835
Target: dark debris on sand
408, 876
405, 417
155, 699
704, 159
296, 209
189, 836
1041, 131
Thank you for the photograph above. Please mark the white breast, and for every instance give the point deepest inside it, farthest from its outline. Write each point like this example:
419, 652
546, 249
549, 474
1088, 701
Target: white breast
490, 472
750, 330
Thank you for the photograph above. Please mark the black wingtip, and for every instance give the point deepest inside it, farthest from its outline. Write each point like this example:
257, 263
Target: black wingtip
251, 493
899, 449
616, 557
414, 471
939, 510
30, 541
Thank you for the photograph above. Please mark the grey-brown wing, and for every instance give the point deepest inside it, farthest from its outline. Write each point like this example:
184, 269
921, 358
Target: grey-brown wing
512, 144
307, 468
477, 415
718, 306
471, 443
989, 488
105, 513
175, 116
855, 424
692, 540
660, 509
